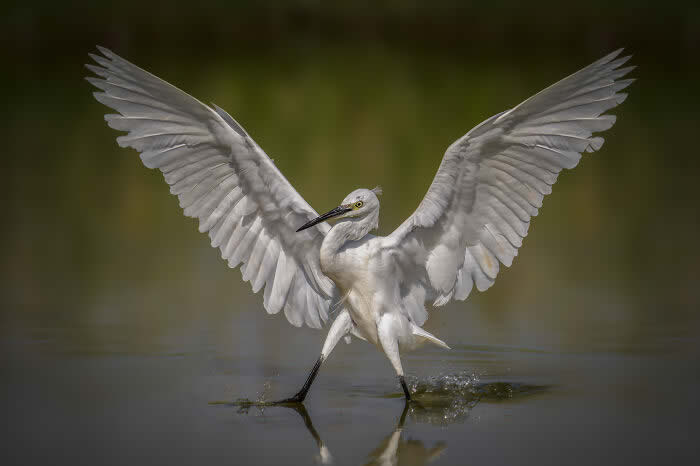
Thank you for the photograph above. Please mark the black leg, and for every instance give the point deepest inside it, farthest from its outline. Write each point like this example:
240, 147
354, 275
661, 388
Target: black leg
402, 419
301, 395
405, 388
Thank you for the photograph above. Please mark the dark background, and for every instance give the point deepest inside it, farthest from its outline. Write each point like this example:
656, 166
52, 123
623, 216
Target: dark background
96, 260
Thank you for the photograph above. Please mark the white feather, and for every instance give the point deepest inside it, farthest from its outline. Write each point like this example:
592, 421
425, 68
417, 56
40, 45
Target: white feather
222, 177
507, 165
473, 218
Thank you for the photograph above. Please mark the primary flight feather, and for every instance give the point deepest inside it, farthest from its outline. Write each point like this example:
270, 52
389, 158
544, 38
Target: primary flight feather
473, 218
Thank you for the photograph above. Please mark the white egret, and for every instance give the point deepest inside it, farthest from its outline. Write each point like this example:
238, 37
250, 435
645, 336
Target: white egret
474, 216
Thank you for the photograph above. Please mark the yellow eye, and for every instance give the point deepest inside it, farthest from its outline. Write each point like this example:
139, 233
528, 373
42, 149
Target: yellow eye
359, 204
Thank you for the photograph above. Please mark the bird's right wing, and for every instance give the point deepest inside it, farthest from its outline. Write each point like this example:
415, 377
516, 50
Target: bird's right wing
223, 178
493, 180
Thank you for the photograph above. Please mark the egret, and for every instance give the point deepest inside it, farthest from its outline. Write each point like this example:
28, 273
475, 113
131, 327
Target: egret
473, 218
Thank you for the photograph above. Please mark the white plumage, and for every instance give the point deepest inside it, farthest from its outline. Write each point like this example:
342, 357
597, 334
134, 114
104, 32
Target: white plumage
224, 179
473, 218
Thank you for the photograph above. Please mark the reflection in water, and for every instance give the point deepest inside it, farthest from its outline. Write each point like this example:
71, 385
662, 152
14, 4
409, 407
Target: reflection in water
438, 400
393, 450
324, 454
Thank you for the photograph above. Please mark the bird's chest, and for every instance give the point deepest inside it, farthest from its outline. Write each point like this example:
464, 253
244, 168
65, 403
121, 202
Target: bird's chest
348, 266
354, 271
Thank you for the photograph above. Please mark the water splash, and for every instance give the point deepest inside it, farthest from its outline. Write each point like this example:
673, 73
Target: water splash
460, 383
262, 396
449, 398
442, 399
260, 402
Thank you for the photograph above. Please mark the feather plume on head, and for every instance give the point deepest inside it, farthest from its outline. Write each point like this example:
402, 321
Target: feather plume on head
377, 190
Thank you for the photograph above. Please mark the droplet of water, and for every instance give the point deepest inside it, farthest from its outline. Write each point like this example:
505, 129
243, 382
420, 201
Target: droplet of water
448, 398
262, 396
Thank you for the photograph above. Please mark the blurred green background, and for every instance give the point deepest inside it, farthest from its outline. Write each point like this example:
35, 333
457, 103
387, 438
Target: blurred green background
119, 323
344, 97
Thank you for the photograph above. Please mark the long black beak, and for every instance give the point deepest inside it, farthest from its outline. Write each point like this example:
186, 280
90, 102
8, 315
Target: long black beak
340, 210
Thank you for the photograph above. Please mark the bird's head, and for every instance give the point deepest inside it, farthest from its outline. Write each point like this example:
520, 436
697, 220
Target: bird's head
359, 204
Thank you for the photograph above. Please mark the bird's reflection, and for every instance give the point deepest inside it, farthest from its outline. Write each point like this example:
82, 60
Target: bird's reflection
437, 400
392, 450
324, 455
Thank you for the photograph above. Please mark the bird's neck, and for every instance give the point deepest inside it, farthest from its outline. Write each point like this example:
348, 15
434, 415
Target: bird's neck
346, 230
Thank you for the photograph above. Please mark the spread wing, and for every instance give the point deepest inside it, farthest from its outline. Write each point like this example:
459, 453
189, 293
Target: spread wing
223, 178
493, 180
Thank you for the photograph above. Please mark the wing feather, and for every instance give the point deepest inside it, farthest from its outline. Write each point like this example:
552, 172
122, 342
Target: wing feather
494, 179
226, 181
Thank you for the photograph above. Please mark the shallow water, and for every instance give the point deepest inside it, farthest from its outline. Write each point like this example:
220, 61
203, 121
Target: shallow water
74, 401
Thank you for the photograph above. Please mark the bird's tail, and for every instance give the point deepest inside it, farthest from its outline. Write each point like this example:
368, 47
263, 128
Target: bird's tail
419, 332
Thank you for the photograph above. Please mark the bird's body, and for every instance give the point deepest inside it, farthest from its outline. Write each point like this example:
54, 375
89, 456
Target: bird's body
473, 218
365, 271
355, 268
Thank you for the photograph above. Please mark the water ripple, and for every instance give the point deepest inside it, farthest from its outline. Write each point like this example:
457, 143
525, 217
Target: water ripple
449, 398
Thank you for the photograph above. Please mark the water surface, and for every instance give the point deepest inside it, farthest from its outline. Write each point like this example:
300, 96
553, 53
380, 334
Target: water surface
175, 403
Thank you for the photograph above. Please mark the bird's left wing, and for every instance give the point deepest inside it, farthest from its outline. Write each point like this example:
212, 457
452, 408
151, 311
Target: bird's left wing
493, 180
223, 178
